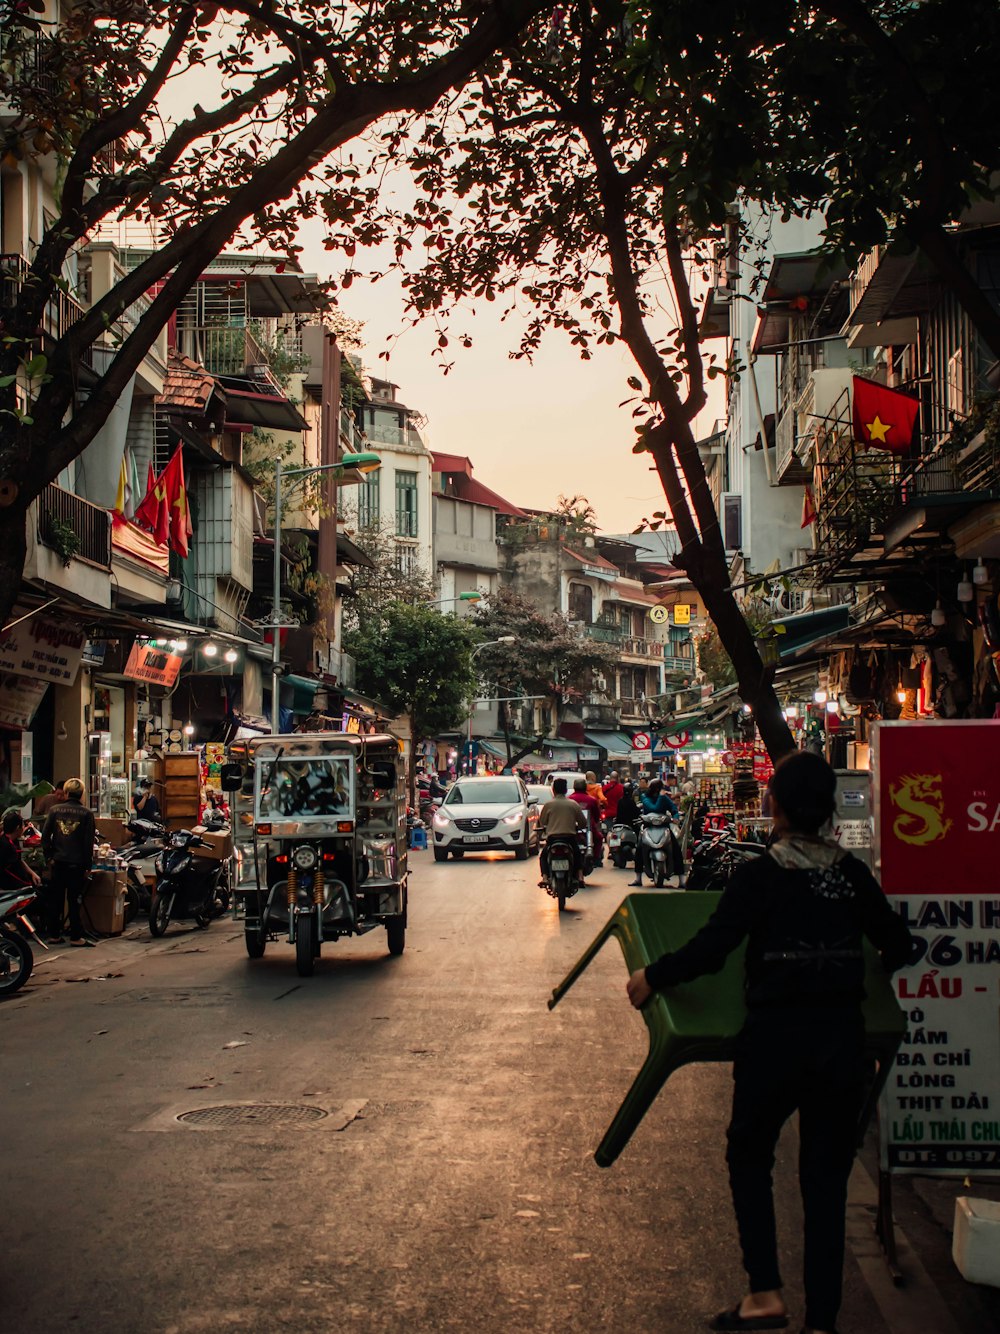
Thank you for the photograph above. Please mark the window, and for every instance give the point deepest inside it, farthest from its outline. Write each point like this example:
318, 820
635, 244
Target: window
732, 521
406, 559
581, 603
368, 501
406, 504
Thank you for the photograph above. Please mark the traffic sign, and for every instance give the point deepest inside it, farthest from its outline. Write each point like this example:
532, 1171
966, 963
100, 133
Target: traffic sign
658, 615
677, 740
641, 741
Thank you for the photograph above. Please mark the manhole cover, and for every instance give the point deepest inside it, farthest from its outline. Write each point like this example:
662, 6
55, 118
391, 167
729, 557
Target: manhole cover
263, 1113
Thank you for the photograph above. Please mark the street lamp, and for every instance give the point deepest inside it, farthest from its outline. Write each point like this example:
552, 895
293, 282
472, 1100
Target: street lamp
472, 595
361, 463
490, 643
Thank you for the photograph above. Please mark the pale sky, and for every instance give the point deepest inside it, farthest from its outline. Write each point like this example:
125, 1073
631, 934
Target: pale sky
532, 430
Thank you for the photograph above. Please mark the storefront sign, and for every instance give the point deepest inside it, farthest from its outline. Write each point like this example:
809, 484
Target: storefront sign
937, 823
20, 696
682, 613
43, 649
937, 788
156, 665
941, 1106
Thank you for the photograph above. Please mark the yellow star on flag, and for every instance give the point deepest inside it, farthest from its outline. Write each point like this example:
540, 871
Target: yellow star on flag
878, 429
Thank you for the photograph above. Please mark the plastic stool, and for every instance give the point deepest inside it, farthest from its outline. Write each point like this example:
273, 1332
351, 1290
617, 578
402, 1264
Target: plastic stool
418, 838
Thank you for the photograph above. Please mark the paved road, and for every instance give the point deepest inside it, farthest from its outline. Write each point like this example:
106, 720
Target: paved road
451, 1186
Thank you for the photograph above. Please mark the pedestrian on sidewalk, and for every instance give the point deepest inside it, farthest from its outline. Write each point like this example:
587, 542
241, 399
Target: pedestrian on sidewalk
68, 843
804, 909
14, 873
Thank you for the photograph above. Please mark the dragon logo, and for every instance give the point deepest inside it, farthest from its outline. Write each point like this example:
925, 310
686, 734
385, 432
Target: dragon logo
919, 798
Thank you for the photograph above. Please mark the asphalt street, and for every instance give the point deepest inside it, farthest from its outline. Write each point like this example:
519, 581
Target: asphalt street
450, 1184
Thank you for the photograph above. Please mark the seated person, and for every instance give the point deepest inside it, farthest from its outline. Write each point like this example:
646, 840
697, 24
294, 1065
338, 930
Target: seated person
564, 818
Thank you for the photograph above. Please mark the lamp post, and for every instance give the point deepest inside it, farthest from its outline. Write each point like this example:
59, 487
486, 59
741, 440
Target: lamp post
362, 463
490, 643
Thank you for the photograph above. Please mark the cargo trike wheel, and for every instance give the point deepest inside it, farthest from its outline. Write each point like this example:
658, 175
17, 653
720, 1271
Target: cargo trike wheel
256, 942
305, 945
396, 932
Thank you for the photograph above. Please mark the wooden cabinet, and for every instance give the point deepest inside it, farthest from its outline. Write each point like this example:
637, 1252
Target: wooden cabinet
182, 790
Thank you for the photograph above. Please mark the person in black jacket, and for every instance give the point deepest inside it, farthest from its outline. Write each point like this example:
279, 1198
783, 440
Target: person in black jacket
68, 843
804, 909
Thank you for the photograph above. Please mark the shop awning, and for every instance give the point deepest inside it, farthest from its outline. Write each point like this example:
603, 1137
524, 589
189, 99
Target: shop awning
617, 744
303, 690
495, 748
809, 628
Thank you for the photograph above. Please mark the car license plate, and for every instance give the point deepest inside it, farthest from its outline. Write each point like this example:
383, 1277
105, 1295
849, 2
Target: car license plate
477, 838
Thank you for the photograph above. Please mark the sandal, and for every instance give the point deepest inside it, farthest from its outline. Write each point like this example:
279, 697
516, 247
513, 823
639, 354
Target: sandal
732, 1320
83, 944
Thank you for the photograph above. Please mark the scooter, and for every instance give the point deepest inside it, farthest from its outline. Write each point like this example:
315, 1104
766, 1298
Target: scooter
563, 879
186, 885
149, 838
621, 845
656, 848
16, 958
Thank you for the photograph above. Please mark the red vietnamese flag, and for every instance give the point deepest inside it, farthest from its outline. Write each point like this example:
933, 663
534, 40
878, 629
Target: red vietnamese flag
153, 511
172, 479
808, 508
883, 418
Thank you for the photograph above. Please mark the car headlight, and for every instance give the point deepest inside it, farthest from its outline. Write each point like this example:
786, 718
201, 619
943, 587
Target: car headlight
441, 820
304, 858
515, 817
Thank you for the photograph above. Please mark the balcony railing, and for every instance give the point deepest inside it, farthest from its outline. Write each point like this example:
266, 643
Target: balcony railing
60, 312
222, 350
604, 634
679, 665
61, 513
642, 648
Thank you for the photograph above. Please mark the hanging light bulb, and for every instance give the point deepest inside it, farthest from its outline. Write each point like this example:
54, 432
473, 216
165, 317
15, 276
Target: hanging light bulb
819, 696
832, 706
180, 646
792, 711
230, 655
189, 729
209, 650
980, 574
901, 695
937, 615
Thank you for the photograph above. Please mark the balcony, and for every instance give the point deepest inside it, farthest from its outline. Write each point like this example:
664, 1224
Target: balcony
600, 715
604, 634
61, 513
61, 311
677, 664
639, 647
221, 349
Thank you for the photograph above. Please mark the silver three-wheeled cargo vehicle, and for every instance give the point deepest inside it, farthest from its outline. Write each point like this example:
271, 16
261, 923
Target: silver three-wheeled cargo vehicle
328, 820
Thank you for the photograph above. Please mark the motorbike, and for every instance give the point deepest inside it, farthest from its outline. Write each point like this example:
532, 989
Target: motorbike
656, 848
622, 839
717, 856
16, 958
563, 880
186, 885
149, 838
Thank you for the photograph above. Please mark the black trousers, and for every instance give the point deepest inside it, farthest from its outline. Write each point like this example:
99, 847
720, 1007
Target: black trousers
817, 1066
67, 883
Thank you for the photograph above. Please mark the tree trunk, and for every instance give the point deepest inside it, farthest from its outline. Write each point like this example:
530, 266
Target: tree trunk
505, 724
13, 553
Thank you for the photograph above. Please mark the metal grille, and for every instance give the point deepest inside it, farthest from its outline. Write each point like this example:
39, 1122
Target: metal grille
263, 1113
476, 826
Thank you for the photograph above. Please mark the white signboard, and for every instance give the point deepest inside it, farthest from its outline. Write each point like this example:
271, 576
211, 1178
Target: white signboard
19, 698
941, 1105
43, 649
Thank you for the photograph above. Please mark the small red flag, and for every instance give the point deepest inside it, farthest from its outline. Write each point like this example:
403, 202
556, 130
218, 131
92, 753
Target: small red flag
808, 508
153, 512
176, 503
883, 418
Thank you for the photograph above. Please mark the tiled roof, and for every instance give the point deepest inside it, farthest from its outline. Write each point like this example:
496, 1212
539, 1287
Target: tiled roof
465, 487
591, 558
187, 386
451, 463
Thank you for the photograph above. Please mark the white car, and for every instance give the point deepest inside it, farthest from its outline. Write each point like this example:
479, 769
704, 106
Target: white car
485, 815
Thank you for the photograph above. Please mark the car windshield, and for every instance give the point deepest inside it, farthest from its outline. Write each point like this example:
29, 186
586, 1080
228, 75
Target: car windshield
484, 792
539, 793
304, 787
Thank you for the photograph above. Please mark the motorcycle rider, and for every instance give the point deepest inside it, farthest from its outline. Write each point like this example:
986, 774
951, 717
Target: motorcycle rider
562, 818
655, 801
613, 793
590, 804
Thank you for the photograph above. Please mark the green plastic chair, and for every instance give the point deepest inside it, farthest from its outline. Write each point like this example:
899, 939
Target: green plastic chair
701, 1020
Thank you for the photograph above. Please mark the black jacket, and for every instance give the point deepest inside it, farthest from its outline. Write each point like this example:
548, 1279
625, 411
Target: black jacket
68, 834
804, 932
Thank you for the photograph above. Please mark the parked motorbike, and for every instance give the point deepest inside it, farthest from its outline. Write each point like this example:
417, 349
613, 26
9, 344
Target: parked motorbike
149, 838
16, 958
656, 848
622, 839
717, 856
186, 885
563, 880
